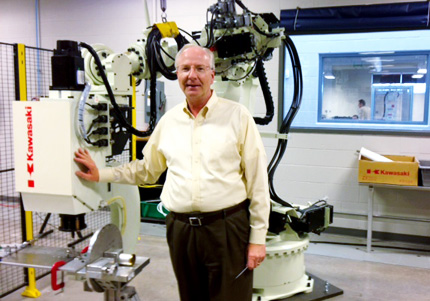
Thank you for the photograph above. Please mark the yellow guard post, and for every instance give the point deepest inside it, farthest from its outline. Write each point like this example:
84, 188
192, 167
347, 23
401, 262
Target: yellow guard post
31, 290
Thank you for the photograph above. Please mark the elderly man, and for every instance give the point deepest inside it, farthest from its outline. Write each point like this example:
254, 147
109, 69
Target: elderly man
216, 187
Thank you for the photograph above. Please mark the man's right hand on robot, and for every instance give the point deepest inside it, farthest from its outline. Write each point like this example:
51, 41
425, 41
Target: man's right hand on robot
92, 173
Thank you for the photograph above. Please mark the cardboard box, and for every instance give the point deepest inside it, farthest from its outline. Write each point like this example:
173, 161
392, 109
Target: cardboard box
403, 171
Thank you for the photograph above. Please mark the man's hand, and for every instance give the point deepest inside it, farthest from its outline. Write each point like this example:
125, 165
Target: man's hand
256, 255
92, 174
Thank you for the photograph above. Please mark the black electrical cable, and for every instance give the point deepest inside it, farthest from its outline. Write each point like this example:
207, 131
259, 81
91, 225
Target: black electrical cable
298, 86
91, 127
153, 55
210, 35
190, 35
317, 204
269, 35
206, 29
164, 51
286, 123
270, 107
285, 127
117, 111
156, 64
273, 195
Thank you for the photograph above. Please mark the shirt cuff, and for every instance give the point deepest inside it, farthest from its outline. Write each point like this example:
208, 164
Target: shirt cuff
106, 175
258, 236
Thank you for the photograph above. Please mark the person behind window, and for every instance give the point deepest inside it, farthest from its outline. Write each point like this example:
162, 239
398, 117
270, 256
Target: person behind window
363, 111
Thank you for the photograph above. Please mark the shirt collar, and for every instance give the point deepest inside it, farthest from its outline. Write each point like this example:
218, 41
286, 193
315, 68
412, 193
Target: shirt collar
206, 109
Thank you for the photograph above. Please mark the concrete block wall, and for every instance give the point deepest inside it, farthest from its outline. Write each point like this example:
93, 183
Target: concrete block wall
318, 165
315, 164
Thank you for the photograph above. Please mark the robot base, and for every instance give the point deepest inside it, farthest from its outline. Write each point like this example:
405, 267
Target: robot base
303, 285
282, 274
321, 290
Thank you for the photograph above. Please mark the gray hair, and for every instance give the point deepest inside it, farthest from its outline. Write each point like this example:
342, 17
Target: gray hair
206, 50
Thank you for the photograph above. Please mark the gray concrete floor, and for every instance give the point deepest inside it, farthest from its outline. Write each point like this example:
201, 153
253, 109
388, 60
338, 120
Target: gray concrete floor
361, 278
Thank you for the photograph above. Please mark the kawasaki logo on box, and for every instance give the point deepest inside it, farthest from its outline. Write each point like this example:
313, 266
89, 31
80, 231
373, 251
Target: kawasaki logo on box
388, 172
402, 171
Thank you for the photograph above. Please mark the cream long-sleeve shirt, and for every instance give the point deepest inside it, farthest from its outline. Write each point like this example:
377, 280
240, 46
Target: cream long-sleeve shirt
215, 160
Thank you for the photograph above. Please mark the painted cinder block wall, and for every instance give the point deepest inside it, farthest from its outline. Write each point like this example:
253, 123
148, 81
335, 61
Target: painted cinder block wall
315, 164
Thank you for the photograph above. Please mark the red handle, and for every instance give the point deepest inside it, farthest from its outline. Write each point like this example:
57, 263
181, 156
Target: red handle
55, 286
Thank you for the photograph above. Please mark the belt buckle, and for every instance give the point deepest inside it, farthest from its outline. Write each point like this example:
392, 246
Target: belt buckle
195, 221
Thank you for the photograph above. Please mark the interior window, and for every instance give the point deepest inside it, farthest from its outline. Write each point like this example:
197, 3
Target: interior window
373, 88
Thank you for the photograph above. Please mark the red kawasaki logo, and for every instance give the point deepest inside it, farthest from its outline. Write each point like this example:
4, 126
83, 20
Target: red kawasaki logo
388, 172
30, 165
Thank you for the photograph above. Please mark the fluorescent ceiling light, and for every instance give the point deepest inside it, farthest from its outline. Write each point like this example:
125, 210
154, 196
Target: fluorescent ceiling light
417, 76
378, 52
329, 76
422, 71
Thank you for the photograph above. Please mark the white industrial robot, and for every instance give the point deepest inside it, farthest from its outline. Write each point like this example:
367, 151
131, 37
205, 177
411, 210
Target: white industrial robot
88, 107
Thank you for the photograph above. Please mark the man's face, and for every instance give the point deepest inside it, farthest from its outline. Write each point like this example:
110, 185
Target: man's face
194, 74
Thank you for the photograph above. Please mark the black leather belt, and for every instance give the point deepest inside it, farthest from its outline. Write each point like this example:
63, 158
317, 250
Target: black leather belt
204, 218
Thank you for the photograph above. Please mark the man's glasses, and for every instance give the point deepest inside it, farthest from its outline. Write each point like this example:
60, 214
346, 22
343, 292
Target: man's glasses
200, 69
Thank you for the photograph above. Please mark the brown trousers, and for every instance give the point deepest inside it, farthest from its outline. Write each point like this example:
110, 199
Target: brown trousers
206, 259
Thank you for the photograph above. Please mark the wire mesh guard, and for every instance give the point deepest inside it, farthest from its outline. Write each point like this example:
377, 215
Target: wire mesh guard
10, 209
45, 225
